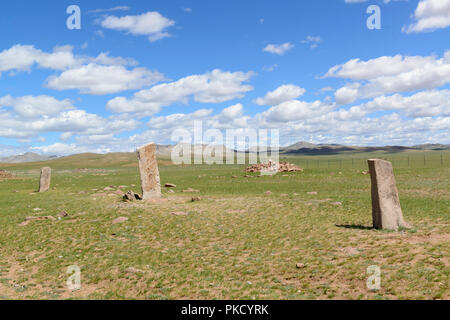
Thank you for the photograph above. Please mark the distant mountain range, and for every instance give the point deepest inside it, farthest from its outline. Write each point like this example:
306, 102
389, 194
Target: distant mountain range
299, 148
27, 157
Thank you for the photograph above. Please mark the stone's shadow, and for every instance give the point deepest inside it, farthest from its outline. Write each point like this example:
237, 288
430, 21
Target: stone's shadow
354, 226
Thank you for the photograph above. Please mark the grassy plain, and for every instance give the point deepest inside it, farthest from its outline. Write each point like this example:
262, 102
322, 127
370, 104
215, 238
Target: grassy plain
236, 243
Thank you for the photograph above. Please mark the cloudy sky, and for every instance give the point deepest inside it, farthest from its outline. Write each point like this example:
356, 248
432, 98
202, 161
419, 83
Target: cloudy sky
138, 70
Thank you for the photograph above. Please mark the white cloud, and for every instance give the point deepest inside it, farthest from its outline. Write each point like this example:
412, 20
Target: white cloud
151, 24
270, 68
27, 117
423, 104
281, 94
313, 41
429, 16
117, 8
387, 75
279, 49
295, 110
99, 79
23, 57
213, 87
32, 107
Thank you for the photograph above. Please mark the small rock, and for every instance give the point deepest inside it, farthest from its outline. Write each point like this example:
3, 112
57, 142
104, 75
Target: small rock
233, 177
170, 191
190, 190
63, 214
300, 265
131, 196
24, 223
337, 203
194, 199
312, 193
108, 189
37, 209
268, 192
170, 185
180, 213
120, 220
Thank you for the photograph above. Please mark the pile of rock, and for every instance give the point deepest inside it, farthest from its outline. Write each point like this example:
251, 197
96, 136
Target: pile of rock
274, 166
5, 175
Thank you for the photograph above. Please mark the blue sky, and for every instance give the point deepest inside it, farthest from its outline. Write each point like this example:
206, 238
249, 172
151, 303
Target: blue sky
138, 70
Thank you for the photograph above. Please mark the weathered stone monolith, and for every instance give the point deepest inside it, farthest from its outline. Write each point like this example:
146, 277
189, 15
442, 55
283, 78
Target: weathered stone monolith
44, 182
148, 167
386, 210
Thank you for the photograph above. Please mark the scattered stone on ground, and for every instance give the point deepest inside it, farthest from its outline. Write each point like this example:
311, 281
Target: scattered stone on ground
119, 193
365, 172
63, 214
131, 196
170, 185
194, 199
170, 191
312, 193
180, 213
190, 190
268, 192
274, 166
37, 209
337, 203
300, 265
120, 220
122, 187
108, 189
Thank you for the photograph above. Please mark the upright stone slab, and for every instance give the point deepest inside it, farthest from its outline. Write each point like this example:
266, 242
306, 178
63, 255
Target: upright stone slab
44, 182
148, 167
386, 210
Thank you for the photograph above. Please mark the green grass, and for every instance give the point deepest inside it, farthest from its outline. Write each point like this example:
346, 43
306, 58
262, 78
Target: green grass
237, 243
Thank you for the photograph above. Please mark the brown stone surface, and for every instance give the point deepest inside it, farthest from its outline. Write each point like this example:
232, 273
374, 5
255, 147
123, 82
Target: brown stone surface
148, 167
44, 183
386, 210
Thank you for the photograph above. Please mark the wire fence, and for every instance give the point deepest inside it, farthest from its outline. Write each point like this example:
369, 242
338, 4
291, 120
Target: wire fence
415, 161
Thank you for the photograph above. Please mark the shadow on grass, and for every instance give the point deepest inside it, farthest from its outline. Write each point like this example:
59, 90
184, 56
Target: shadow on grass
354, 226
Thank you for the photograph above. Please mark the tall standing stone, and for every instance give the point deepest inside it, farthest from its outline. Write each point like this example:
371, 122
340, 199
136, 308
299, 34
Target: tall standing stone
44, 182
148, 167
386, 210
